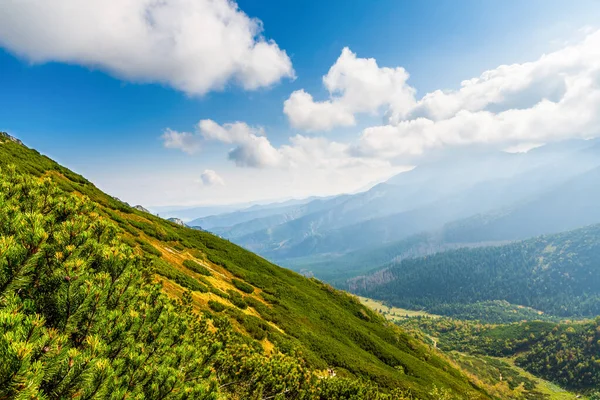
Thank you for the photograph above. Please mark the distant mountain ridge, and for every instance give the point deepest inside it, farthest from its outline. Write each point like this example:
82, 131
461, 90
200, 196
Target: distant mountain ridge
458, 198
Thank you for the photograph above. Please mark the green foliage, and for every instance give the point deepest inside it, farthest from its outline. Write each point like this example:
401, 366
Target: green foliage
216, 306
237, 299
569, 356
164, 269
148, 248
564, 353
491, 311
243, 286
265, 312
218, 292
194, 266
478, 338
157, 232
256, 327
318, 327
80, 318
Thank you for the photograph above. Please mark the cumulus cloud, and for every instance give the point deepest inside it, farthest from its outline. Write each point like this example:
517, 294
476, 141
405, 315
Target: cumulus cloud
211, 178
191, 45
183, 141
551, 99
303, 112
355, 85
251, 146
253, 149
512, 107
322, 153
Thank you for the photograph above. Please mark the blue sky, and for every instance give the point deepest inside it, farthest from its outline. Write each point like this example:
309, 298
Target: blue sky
108, 127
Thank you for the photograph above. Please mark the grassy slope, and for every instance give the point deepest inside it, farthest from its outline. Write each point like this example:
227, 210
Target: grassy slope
329, 328
564, 353
394, 313
470, 348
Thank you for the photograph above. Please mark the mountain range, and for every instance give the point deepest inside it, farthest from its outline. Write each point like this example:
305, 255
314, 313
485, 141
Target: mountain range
457, 199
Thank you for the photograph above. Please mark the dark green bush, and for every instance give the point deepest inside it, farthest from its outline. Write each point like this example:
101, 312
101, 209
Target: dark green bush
216, 306
219, 293
194, 266
243, 286
148, 248
166, 270
237, 299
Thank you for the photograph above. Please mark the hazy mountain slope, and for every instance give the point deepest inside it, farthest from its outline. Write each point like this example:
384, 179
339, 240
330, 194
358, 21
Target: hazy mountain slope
558, 274
276, 310
481, 198
425, 184
538, 198
423, 199
236, 217
567, 206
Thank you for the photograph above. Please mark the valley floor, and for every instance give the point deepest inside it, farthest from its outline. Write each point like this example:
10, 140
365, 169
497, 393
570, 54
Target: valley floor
501, 376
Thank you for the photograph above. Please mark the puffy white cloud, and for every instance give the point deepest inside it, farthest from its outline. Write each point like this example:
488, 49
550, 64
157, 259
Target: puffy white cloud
211, 178
514, 86
191, 45
355, 85
322, 153
252, 149
303, 112
511, 107
183, 141
553, 98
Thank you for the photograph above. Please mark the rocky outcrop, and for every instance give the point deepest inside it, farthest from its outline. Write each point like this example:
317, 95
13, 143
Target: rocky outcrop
140, 208
4, 135
121, 201
177, 221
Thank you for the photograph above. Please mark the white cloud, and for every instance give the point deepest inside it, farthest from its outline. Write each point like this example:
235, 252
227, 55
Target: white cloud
183, 141
211, 178
191, 45
355, 85
509, 108
522, 147
551, 99
321, 153
303, 112
252, 149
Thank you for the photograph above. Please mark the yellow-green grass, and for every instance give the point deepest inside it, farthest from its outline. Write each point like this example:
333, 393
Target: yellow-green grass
393, 313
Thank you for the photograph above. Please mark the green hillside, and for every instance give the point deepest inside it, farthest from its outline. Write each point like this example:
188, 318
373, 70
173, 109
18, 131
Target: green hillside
99, 300
566, 353
556, 274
